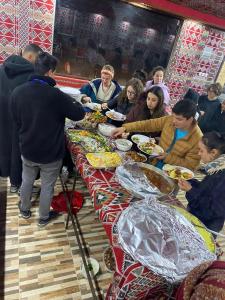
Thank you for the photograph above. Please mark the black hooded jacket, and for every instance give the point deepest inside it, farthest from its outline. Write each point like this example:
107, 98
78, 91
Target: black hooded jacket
13, 72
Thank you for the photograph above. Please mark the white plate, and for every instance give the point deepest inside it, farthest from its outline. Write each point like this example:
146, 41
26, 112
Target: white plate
167, 168
139, 138
94, 106
116, 116
156, 150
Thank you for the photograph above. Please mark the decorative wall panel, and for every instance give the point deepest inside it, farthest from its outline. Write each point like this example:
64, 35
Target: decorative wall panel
23, 22
196, 59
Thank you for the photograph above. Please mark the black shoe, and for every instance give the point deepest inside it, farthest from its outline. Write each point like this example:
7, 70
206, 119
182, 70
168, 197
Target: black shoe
52, 215
14, 188
25, 214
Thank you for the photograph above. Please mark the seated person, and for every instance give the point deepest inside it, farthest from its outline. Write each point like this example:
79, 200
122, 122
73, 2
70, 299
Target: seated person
191, 95
206, 198
209, 106
101, 89
179, 138
157, 80
127, 98
219, 119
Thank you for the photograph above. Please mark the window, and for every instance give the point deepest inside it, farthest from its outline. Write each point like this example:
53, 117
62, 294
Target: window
91, 33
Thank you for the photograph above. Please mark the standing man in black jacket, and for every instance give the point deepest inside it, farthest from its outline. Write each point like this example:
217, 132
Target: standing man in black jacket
13, 72
39, 111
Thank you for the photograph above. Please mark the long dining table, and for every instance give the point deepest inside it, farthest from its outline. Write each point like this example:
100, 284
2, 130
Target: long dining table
131, 280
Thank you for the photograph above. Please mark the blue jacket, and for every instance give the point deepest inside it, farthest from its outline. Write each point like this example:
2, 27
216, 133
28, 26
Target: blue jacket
91, 90
206, 200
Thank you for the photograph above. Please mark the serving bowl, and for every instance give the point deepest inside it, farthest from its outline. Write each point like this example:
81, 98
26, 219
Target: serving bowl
93, 267
123, 144
106, 129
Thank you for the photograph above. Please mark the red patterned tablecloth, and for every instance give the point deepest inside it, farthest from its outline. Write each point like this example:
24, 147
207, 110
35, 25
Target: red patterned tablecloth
132, 281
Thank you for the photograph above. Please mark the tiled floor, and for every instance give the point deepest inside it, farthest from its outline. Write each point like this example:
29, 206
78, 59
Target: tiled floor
45, 263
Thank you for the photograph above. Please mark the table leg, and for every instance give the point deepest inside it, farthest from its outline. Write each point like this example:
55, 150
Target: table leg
77, 232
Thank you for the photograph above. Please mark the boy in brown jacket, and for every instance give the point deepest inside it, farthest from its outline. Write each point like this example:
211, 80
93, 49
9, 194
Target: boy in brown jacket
180, 135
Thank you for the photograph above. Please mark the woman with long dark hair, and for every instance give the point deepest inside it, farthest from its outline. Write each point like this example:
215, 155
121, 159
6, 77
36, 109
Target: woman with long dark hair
149, 106
206, 198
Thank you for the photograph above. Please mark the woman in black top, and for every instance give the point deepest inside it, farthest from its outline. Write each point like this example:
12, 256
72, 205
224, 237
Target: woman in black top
206, 198
127, 98
209, 106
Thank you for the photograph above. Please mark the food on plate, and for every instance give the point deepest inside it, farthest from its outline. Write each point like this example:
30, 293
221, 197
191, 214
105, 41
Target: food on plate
104, 160
114, 115
94, 106
139, 138
109, 259
176, 172
96, 117
150, 148
135, 156
157, 180
123, 144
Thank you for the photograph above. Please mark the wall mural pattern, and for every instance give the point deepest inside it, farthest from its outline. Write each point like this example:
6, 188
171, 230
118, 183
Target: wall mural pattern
23, 22
196, 59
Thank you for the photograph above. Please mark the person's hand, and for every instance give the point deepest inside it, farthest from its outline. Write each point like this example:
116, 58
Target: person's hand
104, 106
184, 185
118, 132
125, 135
162, 156
86, 99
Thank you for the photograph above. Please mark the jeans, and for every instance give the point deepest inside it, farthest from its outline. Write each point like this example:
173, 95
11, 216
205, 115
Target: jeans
49, 174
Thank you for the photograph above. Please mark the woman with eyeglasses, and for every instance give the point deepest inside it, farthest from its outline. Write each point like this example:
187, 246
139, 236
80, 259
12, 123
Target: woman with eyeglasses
127, 98
206, 198
209, 106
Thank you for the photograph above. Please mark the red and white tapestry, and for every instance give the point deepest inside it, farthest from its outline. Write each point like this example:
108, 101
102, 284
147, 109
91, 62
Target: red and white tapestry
196, 59
23, 22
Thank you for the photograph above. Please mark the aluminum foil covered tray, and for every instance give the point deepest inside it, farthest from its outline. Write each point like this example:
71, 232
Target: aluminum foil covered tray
143, 180
161, 239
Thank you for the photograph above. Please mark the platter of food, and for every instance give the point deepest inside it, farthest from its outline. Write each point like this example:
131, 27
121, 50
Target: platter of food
96, 117
116, 116
136, 156
94, 106
104, 160
177, 172
90, 142
139, 138
150, 148
200, 227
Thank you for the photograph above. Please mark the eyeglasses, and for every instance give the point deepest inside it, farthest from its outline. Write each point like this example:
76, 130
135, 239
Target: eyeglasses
131, 92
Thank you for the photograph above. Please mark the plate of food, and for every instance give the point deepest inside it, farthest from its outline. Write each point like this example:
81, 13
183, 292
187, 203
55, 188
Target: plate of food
116, 116
96, 117
150, 148
104, 160
94, 106
177, 172
139, 138
136, 156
